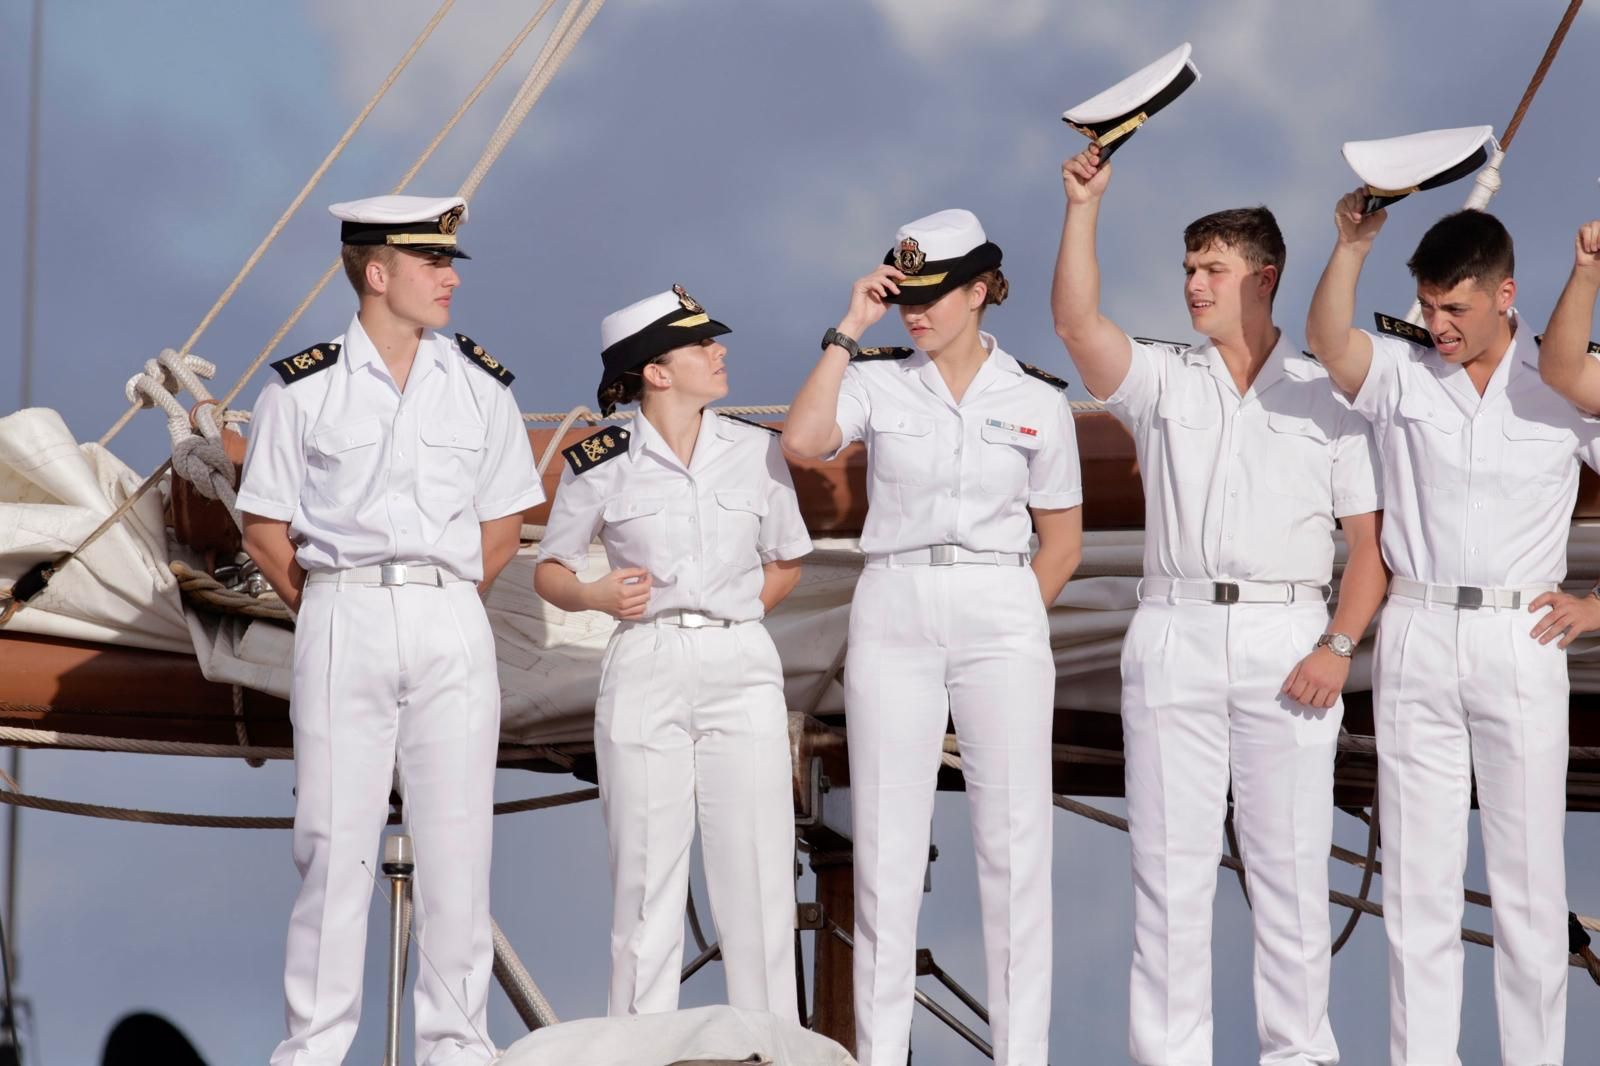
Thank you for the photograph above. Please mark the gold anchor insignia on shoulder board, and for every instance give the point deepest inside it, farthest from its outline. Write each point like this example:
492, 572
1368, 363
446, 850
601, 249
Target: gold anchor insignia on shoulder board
1406, 331
868, 355
304, 364
593, 450
483, 360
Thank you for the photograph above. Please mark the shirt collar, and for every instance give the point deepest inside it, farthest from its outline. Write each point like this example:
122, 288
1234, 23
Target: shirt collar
359, 352
646, 438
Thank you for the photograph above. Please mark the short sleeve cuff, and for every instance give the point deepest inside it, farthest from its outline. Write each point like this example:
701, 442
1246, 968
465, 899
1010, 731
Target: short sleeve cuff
793, 549
1056, 501
270, 509
531, 497
575, 563
1347, 506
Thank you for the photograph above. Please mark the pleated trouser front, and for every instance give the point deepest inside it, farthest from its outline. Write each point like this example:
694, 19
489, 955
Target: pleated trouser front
1202, 707
694, 720
384, 676
928, 644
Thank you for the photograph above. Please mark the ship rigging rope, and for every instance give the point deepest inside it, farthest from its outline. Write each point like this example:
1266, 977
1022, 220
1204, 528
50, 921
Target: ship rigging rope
294, 205
239, 821
1539, 73
557, 48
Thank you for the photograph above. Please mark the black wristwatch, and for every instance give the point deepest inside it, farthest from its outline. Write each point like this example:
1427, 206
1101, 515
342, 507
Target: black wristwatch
845, 341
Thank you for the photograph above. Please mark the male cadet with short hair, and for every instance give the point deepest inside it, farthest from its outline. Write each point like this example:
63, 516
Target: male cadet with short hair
1480, 470
1231, 670
382, 493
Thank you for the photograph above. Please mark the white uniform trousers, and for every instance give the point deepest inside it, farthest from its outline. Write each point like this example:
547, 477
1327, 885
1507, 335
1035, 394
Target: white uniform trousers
928, 643
1458, 691
1201, 705
383, 675
691, 718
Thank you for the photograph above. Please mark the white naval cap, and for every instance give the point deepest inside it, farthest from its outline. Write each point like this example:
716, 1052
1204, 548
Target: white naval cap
420, 223
938, 252
1395, 167
1113, 116
638, 333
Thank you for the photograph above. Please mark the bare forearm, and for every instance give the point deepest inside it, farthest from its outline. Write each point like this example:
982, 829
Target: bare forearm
560, 587
1053, 569
778, 580
501, 537
1365, 580
1060, 549
811, 429
1343, 351
269, 547
1564, 360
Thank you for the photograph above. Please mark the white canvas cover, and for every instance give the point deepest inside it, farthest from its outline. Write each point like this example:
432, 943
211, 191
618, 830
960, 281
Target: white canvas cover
715, 1033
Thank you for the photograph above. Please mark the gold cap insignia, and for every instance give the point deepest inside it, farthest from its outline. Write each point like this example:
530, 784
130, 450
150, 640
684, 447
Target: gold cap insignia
689, 303
909, 257
450, 221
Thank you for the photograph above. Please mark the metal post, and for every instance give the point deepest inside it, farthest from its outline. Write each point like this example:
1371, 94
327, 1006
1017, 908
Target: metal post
398, 865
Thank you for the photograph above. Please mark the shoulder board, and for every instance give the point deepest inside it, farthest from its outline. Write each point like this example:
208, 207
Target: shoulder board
1178, 345
483, 360
868, 355
595, 449
1594, 346
1043, 375
304, 364
1399, 327
746, 421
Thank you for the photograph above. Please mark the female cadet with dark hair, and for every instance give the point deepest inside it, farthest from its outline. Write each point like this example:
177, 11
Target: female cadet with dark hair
703, 531
963, 443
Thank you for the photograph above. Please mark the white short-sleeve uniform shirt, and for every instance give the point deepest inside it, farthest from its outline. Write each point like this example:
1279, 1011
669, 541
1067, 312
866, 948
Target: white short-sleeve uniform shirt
701, 531
1242, 488
365, 475
1481, 488
942, 472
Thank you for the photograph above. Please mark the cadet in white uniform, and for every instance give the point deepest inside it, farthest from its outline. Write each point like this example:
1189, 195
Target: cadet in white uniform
703, 531
1480, 468
963, 443
1231, 670
382, 492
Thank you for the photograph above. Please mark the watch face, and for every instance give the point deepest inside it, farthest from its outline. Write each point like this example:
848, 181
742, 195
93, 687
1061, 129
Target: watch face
1341, 644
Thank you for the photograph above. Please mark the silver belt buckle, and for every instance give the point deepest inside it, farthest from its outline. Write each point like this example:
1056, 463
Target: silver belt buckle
1224, 592
691, 620
942, 555
392, 574
1469, 597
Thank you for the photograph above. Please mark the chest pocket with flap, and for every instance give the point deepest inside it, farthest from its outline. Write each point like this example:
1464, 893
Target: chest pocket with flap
902, 447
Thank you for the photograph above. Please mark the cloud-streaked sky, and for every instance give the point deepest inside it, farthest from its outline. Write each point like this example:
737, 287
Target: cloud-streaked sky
762, 154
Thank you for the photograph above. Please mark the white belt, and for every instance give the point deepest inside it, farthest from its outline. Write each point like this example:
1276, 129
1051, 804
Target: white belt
1170, 588
385, 575
690, 620
1467, 597
947, 555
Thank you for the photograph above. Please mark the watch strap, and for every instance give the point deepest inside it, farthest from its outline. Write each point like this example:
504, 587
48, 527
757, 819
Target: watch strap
843, 340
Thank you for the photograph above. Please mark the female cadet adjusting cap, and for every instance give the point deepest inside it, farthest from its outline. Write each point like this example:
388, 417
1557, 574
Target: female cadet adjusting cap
415, 223
1116, 114
938, 253
1395, 167
633, 336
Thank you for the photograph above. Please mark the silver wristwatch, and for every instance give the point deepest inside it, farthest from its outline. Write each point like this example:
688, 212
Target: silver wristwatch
1337, 643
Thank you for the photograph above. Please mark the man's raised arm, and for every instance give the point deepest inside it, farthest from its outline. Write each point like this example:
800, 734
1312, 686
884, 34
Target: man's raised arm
1098, 347
1564, 360
1344, 351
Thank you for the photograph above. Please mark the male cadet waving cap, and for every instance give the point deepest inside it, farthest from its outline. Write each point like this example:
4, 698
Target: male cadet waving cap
1480, 471
1231, 668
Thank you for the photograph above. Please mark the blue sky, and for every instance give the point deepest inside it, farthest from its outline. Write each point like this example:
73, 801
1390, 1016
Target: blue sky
762, 154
